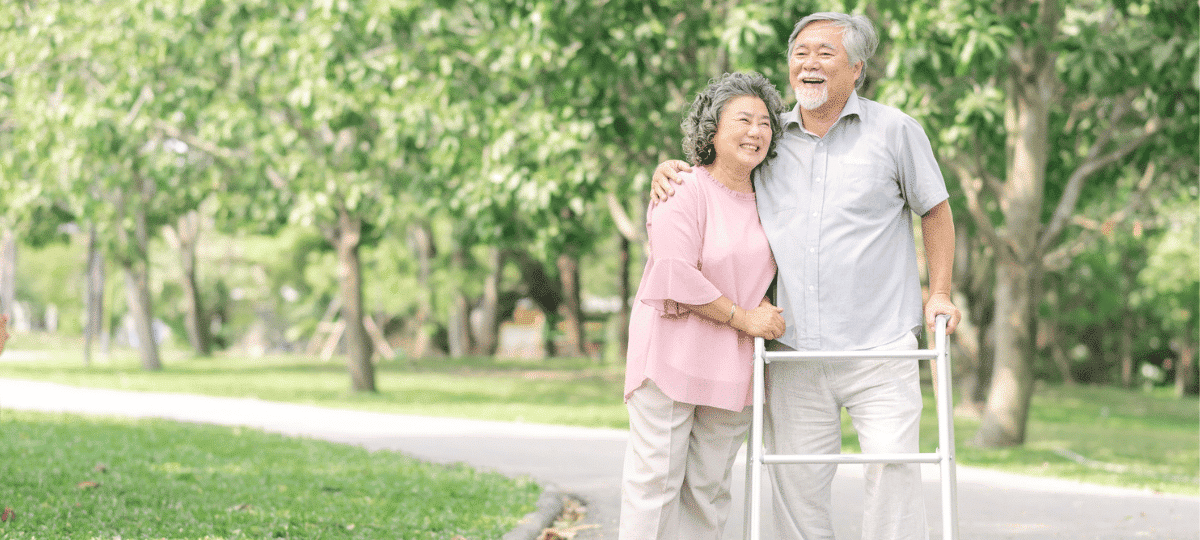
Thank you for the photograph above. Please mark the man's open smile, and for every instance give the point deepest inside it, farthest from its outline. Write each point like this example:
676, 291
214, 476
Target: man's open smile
811, 79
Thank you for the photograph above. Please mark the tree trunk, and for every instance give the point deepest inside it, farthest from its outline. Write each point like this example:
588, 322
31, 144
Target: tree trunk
967, 351
185, 239
1007, 409
484, 323
1127, 278
970, 349
544, 291
1064, 364
136, 262
1185, 367
629, 233
8, 275
571, 309
420, 241
137, 291
458, 327
346, 240
541, 288
1031, 85
1126, 349
93, 296
1050, 338
623, 294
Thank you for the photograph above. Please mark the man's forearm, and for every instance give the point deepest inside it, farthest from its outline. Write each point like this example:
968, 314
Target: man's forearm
937, 229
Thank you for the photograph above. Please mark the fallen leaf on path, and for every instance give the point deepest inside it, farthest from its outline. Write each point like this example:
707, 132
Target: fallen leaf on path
88, 485
573, 511
7, 515
565, 533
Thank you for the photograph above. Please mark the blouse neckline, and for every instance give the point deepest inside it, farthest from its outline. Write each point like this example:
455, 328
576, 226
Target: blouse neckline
735, 194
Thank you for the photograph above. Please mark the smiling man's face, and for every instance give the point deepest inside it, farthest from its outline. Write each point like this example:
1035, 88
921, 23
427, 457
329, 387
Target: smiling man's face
819, 68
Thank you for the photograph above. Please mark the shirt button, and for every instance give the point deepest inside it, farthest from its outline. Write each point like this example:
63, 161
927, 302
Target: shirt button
812, 288
818, 180
812, 250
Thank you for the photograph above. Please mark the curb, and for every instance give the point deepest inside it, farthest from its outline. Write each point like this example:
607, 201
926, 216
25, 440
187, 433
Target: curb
549, 508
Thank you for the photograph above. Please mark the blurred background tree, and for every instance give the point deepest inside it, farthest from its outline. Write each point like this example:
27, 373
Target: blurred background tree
1043, 111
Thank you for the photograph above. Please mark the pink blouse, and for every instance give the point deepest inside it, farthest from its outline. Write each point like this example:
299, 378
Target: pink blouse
705, 242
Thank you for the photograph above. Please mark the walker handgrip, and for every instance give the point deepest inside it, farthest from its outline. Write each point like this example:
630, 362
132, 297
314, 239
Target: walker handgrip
941, 321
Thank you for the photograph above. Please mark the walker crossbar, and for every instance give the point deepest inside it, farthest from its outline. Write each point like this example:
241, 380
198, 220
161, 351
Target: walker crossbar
776, 459
784, 356
944, 455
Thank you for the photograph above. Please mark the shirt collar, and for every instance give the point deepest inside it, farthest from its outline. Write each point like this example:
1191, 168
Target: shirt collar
792, 117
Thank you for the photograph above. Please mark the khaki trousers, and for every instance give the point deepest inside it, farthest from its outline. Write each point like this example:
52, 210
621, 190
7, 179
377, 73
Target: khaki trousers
678, 467
803, 416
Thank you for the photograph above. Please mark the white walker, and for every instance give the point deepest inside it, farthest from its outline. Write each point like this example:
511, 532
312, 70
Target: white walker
943, 456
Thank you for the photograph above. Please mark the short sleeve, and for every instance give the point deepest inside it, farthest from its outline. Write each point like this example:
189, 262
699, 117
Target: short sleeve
676, 232
921, 177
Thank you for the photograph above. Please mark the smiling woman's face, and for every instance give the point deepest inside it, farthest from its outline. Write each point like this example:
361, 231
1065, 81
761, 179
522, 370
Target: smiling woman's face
744, 132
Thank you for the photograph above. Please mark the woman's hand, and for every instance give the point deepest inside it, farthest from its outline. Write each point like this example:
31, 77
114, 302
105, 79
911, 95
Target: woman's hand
664, 174
763, 321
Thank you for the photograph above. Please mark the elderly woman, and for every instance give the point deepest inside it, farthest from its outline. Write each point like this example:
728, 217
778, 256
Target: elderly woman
701, 302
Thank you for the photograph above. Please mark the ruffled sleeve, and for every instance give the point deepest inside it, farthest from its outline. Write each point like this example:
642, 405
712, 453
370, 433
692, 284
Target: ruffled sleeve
675, 229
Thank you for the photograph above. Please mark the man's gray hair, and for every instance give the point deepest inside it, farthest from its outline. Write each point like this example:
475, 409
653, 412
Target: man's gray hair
858, 37
700, 123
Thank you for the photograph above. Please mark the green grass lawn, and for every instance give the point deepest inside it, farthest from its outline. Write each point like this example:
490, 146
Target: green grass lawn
1100, 435
76, 477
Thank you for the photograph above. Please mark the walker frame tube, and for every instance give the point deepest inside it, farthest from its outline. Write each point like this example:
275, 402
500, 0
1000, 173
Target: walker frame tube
944, 456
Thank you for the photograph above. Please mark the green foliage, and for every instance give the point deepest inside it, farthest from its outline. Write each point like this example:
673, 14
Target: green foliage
947, 68
315, 90
54, 281
1123, 100
505, 124
75, 477
90, 124
1171, 277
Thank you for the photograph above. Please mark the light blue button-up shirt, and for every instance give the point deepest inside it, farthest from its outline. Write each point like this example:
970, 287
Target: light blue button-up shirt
837, 211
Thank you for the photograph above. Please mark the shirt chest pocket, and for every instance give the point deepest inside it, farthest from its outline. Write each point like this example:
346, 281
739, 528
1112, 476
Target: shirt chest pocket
862, 186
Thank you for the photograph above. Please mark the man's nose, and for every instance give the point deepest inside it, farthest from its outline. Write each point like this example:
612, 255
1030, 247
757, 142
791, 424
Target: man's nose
808, 62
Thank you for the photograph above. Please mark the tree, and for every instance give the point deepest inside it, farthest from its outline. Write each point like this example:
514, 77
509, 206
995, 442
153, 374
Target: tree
573, 104
184, 238
1084, 91
90, 124
1171, 273
341, 95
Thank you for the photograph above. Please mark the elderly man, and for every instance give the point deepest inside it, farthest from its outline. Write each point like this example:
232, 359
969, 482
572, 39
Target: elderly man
837, 207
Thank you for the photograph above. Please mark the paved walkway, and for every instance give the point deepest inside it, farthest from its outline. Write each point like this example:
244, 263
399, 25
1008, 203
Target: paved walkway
587, 463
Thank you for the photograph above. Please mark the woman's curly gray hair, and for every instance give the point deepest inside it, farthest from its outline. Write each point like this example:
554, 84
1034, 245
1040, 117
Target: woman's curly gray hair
700, 122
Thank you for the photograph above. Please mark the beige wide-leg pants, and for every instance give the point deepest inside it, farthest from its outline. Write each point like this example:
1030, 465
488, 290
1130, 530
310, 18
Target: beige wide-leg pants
883, 399
678, 467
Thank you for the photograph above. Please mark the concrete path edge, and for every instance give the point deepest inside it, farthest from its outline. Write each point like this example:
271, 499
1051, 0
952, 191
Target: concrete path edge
549, 508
